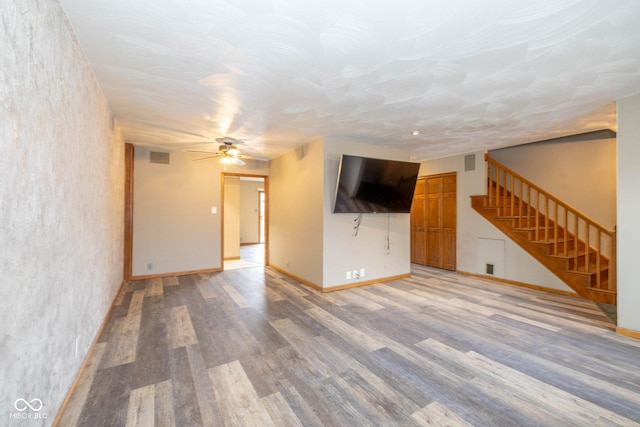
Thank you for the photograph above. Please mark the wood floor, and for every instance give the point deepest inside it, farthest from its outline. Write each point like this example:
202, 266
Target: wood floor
251, 347
250, 256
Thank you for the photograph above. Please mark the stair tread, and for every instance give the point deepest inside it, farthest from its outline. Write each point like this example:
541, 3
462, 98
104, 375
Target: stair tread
604, 291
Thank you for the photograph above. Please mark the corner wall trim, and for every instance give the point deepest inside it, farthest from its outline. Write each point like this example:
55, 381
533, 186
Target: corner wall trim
74, 384
366, 282
521, 284
299, 279
339, 287
628, 332
177, 273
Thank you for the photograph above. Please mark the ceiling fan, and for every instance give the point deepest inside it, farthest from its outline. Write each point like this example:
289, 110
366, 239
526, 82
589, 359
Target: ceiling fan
228, 152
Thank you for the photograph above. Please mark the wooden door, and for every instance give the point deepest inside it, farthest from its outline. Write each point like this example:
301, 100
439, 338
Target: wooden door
449, 222
418, 224
433, 222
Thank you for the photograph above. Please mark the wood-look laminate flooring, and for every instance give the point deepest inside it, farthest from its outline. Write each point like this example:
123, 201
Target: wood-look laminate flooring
250, 256
251, 347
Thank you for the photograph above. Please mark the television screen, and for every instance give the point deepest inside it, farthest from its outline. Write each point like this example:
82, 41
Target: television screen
368, 185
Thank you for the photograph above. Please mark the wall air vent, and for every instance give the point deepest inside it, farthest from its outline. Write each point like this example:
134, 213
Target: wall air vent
470, 162
490, 269
157, 157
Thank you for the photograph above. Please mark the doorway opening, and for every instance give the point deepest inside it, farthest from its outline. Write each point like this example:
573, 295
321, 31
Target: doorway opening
244, 221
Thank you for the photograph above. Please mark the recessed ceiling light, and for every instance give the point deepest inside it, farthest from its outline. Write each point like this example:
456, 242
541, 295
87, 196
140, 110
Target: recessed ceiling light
415, 133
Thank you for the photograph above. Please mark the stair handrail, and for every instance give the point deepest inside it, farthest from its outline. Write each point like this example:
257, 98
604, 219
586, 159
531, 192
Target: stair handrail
541, 190
558, 203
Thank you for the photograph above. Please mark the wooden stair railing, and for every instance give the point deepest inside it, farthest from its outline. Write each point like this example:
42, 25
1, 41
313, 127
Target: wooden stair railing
587, 247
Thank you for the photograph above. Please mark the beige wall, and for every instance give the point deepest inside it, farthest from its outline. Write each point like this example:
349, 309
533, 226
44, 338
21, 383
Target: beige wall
628, 212
579, 170
61, 207
174, 228
341, 250
478, 242
295, 212
308, 240
231, 217
250, 211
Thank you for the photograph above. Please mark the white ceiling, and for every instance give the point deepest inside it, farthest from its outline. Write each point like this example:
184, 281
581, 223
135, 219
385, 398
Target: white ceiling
466, 74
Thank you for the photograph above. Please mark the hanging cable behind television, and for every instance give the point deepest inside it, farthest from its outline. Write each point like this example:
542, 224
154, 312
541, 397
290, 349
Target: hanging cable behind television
388, 245
356, 226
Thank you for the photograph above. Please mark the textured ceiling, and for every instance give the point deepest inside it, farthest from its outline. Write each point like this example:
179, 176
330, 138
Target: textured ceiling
466, 74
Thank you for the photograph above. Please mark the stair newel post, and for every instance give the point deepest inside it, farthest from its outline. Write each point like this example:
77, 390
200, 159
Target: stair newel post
489, 178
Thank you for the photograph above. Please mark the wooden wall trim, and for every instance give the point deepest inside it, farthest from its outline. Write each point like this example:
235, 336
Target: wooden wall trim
129, 151
521, 284
76, 381
339, 287
366, 282
628, 332
299, 279
177, 273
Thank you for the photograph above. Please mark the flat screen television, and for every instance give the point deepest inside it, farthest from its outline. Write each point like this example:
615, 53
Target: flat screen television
367, 185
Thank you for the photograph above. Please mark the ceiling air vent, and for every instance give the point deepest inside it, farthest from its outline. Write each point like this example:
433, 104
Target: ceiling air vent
470, 162
157, 157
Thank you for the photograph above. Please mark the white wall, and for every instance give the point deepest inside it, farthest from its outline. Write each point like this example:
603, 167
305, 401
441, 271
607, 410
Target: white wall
478, 242
295, 212
174, 228
61, 207
579, 171
250, 211
341, 250
628, 212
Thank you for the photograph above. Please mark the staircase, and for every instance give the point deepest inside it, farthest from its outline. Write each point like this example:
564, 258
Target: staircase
577, 249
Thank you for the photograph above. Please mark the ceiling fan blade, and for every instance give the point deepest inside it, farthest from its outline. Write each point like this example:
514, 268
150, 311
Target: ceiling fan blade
239, 162
206, 158
203, 151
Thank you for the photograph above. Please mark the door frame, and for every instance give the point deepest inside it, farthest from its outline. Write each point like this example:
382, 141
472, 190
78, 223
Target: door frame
262, 227
129, 153
266, 213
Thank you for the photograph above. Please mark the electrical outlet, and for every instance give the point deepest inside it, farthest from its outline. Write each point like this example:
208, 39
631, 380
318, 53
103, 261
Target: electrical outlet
348, 275
150, 266
362, 272
355, 274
